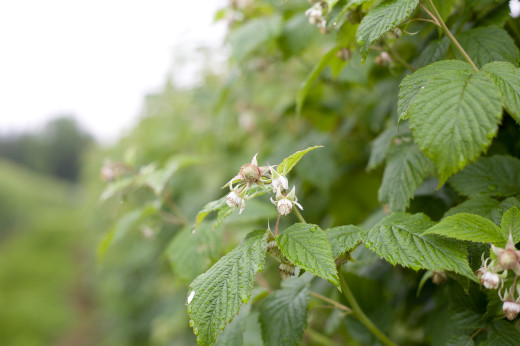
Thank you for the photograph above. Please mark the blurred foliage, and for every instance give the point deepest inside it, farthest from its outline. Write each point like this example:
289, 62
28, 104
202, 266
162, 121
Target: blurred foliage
57, 149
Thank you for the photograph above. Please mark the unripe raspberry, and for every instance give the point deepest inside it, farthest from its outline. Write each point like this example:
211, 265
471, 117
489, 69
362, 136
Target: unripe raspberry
439, 277
511, 309
250, 172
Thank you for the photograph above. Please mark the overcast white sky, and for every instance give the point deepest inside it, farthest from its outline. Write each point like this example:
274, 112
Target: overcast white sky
96, 59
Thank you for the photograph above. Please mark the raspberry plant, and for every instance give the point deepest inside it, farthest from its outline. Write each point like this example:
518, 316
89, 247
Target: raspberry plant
439, 93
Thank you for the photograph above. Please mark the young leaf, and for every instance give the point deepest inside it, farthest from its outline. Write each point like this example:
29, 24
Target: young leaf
291, 161
220, 206
454, 118
469, 227
497, 175
343, 239
190, 253
283, 314
511, 223
313, 75
385, 16
480, 205
507, 78
406, 168
380, 146
412, 84
487, 44
398, 239
307, 246
216, 296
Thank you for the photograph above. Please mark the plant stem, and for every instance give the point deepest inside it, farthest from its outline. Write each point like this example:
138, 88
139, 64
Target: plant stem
276, 227
299, 216
358, 312
330, 301
448, 33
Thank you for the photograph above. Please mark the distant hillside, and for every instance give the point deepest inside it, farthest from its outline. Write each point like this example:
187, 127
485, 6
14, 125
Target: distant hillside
23, 194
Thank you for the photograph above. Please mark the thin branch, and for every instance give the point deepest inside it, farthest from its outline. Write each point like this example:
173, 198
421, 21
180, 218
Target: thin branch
333, 302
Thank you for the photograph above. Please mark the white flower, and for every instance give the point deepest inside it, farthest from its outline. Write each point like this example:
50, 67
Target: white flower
490, 280
511, 309
284, 203
284, 206
234, 201
315, 14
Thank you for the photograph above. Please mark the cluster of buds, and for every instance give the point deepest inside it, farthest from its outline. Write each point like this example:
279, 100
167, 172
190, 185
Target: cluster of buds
252, 177
315, 14
493, 273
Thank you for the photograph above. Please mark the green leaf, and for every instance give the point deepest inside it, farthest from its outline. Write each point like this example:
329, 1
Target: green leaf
219, 206
343, 239
398, 239
216, 295
307, 247
291, 161
469, 227
406, 167
507, 78
412, 84
385, 16
479, 205
454, 118
283, 314
233, 334
123, 226
380, 146
435, 50
253, 34
306, 85
502, 333
505, 205
511, 223
487, 44
461, 340
117, 187
191, 253
497, 175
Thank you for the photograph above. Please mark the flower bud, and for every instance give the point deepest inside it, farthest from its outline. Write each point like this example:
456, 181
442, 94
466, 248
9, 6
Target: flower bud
508, 258
490, 280
284, 206
233, 200
286, 270
439, 277
280, 182
511, 309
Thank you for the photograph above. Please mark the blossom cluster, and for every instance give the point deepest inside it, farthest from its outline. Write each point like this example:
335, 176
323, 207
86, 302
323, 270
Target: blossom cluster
315, 14
253, 180
493, 275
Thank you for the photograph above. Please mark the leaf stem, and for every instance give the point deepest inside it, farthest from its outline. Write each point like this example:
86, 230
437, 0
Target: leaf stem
358, 312
276, 227
448, 33
299, 216
333, 302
